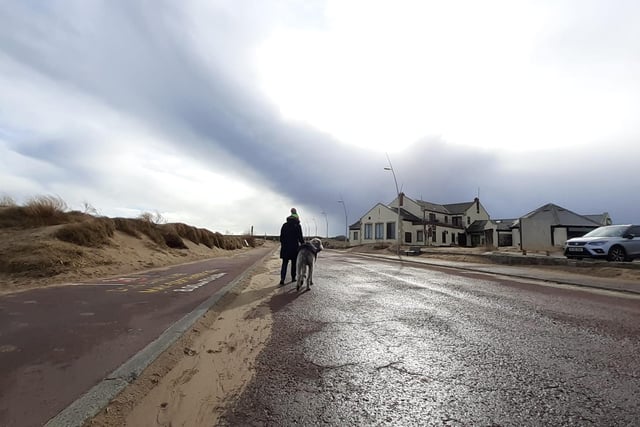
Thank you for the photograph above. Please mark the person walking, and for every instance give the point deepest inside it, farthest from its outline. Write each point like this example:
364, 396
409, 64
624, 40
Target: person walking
290, 239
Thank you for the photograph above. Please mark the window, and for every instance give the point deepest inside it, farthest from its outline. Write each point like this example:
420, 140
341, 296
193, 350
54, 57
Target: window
420, 236
446, 219
432, 217
355, 235
391, 231
379, 230
407, 237
468, 220
453, 238
367, 231
457, 221
444, 237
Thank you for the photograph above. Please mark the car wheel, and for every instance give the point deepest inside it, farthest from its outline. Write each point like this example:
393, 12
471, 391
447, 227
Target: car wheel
617, 254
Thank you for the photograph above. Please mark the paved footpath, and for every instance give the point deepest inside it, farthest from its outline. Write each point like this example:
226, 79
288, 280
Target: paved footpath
58, 343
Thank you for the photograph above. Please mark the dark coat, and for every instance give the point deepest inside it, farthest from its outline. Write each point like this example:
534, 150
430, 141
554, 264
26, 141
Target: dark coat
290, 237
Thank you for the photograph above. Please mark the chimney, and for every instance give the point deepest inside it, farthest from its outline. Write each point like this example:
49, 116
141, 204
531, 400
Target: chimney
477, 205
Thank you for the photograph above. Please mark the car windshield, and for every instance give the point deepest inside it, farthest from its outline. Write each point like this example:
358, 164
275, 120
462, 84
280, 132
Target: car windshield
609, 231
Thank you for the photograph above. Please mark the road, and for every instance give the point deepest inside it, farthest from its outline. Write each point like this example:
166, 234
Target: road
57, 343
378, 343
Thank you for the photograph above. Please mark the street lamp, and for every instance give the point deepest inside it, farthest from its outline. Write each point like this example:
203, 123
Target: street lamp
346, 223
326, 219
390, 168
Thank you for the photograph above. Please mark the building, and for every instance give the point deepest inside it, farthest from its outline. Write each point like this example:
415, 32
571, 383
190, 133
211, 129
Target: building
469, 224
549, 226
424, 223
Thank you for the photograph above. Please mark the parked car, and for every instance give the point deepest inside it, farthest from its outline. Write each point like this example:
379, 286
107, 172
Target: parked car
613, 242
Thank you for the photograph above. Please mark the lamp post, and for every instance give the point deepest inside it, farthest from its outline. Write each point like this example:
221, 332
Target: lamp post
346, 222
326, 219
390, 168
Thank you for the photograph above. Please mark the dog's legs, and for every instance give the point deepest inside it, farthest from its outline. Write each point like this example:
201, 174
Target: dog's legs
310, 278
301, 273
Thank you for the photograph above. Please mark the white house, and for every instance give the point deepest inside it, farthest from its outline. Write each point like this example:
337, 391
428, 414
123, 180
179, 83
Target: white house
423, 223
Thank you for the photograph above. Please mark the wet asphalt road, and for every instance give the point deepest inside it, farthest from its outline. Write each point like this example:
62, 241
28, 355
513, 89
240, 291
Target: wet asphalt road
375, 343
58, 342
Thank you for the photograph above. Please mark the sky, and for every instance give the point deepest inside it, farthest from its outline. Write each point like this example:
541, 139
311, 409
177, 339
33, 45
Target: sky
225, 114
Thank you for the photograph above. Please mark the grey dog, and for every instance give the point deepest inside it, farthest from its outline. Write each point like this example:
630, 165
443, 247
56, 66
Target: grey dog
307, 255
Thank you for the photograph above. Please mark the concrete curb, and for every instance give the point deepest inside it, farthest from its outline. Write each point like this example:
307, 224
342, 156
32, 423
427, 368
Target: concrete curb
513, 258
99, 396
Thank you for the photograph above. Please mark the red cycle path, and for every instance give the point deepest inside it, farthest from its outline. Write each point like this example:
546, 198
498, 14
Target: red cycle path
58, 342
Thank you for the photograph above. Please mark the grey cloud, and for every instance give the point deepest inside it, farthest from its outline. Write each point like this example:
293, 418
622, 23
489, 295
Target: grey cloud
139, 58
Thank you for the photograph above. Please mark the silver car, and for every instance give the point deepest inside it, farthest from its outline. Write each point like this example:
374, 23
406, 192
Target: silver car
613, 242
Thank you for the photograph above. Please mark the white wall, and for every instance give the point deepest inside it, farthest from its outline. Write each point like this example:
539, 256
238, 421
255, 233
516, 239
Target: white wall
475, 213
559, 236
378, 214
515, 237
536, 234
408, 205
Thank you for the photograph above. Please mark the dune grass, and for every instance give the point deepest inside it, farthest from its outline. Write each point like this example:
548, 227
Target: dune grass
94, 232
84, 229
7, 201
55, 240
41, 259
38, 211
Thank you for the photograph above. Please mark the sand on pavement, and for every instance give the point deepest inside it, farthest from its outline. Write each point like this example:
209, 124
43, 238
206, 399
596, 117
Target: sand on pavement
195, 381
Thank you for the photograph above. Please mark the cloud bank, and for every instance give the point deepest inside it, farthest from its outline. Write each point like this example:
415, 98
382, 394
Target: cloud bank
160, 106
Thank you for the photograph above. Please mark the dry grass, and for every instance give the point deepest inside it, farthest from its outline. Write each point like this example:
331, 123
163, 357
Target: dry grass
171, 235
202, 236
38, 211
94, 232
7, 201
42, 259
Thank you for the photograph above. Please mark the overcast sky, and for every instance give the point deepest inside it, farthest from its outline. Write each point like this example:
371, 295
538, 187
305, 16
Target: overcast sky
225, 114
